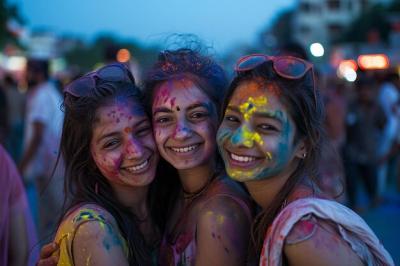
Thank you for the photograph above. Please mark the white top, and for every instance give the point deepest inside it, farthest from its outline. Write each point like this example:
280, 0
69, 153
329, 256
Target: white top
44, 106
388, 98
352, 228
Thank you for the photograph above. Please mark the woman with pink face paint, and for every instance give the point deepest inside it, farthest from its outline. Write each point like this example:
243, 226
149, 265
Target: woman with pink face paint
210, 218
111, 160
270, 139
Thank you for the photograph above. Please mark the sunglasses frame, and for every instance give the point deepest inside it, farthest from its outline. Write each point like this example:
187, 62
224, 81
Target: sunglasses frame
266, 58
95, 75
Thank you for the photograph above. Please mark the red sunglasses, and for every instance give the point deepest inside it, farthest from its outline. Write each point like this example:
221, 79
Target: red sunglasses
288, 67
84, 86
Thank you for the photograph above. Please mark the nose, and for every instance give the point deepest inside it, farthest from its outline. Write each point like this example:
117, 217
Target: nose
182, 131
245, 137
134, 149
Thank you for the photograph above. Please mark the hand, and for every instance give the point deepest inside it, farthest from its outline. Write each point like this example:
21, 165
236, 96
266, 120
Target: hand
49, 255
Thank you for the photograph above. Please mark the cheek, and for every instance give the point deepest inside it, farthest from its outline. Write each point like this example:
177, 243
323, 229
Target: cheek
108, 163
161, 134
223, 134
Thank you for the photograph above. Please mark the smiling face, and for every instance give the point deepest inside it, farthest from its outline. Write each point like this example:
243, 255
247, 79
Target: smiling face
185, 123
122, 144
256, 137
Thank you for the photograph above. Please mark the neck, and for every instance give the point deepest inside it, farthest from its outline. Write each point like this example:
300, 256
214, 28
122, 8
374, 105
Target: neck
135, 198
264, 191
194, 179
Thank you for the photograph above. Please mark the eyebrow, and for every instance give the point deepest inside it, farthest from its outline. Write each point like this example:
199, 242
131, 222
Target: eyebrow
190, 107
268, 114
116, 133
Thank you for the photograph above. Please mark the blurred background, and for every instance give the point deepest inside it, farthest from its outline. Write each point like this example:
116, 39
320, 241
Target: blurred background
354, 45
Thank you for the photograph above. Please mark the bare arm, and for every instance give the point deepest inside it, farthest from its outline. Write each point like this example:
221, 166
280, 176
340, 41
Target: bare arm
98, 244
323, 247
222, 234
31, 150
18, 236
49, 255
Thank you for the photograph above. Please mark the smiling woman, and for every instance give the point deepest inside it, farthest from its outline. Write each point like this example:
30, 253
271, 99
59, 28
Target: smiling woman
111, 161
270, 139
210, 219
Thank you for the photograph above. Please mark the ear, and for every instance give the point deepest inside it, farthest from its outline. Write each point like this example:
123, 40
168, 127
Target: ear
301, 149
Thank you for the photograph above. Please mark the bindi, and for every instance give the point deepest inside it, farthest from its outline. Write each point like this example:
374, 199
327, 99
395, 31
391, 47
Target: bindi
178, 109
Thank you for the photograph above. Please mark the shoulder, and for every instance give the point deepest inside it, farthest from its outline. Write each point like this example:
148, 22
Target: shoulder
313, 241
90, 229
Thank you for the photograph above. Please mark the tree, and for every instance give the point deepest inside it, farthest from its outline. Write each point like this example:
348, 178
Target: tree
7, 13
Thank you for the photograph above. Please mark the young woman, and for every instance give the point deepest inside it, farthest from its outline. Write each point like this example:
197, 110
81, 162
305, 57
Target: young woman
270, 139
210, 219
111, 159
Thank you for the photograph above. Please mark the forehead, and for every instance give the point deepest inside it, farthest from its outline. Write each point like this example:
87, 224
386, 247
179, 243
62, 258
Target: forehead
120, 110
181, 90
260, 93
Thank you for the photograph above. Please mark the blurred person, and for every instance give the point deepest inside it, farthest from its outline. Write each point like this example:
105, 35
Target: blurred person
389, 100
17, 230
16, 108
365, 121
4, 123
42, 135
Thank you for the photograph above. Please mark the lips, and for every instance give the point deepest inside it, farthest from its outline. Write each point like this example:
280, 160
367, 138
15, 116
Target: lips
183, 150
138, 168
239, 160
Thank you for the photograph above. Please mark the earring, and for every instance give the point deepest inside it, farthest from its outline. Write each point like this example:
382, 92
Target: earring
304, 155
96, 188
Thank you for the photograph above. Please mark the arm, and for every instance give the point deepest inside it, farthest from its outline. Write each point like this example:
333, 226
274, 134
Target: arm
320, 246
18, 237
49, 255
97, 243
223, 230
38, 129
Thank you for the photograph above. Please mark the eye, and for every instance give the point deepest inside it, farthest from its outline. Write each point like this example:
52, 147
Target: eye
162, 120
143, 131
231, 118
111, 144
198, 115
267, 127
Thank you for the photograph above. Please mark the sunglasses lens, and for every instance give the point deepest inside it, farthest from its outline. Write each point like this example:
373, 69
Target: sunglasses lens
111, 73
80, 87
290, 67
250, 62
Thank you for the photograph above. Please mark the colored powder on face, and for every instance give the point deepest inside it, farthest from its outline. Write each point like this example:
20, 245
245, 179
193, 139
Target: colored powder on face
128, 130
251, 105
245, 136
172, 101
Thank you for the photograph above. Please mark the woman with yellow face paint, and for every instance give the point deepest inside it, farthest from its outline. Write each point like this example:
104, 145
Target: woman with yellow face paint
270, 138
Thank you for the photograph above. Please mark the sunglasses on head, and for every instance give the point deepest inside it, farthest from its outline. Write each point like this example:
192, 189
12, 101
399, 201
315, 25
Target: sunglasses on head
288, 67
84, 86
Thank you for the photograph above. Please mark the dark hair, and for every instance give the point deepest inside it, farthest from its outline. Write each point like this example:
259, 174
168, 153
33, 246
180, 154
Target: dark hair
184, 62
202, 71
39, 66
82, 177
307, 114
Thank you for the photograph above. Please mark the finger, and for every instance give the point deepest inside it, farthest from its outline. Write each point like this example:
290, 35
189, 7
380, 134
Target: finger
47, 250
51, 261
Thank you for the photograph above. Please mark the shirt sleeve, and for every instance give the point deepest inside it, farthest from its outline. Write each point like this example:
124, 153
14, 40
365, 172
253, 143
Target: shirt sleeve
40, 110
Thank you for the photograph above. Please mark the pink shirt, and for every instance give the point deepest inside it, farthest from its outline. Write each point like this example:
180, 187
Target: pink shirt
13, 199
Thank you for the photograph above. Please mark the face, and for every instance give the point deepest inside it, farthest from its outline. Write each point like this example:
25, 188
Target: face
122, 144
185, 122
256, 137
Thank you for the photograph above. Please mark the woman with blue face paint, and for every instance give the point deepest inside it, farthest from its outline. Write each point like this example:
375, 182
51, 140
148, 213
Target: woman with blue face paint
210, 219
270, 138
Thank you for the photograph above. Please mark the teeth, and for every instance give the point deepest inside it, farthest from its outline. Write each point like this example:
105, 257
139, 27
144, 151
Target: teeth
138, 167
242, 158
185, 149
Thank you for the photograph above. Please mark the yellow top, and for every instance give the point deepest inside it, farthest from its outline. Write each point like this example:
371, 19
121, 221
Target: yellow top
88, 213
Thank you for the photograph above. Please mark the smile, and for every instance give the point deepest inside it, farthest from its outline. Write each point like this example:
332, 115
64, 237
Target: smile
242, 159
184, 149
138, 167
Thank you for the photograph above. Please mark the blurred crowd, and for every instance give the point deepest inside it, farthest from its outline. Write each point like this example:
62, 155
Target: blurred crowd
362, 123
